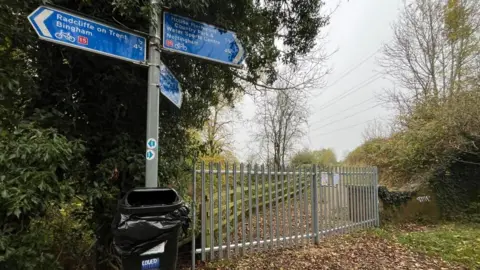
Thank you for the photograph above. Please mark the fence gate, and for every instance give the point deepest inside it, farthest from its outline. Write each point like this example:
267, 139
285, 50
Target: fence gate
240, 209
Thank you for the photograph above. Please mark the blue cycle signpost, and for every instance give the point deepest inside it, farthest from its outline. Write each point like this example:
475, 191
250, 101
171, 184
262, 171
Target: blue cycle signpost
180, 35
71, 30
187, 36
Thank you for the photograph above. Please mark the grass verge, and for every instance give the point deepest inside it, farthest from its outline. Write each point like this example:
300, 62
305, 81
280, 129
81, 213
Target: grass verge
451, 242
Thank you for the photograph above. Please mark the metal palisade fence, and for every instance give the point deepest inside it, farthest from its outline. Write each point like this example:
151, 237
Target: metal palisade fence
240, 208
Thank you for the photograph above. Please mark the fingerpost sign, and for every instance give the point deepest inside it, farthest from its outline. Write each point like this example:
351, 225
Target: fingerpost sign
187, 36
58, 26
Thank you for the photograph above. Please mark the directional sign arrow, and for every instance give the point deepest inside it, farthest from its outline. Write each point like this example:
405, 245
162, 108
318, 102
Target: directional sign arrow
151, 143
150, 155
187, 36
72, 30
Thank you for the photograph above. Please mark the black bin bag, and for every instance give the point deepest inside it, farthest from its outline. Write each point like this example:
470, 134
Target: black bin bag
147, 226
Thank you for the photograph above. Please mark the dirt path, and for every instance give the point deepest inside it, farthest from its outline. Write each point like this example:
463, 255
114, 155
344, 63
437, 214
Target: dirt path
358, 251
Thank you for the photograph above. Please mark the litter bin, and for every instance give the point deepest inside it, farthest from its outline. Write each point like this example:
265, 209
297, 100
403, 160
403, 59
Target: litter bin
147, 226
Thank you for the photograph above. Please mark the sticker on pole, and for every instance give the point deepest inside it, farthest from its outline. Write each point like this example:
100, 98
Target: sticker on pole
150, 154
151, 143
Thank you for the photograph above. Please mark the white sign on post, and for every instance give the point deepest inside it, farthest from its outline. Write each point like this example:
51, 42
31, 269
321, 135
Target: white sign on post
336, 179
324, 178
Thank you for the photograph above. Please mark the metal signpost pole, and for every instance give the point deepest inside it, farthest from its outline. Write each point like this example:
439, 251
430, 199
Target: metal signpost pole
151, 168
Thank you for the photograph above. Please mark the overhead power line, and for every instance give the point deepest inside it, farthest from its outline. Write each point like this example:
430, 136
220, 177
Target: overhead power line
351, 69
346, 110
350, 91
344, 128
346, 117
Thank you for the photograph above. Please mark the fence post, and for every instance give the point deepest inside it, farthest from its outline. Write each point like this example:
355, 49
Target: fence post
377, 208
316, 233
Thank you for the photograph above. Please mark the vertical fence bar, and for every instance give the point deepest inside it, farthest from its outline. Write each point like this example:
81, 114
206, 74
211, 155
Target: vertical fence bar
300, 200
270, 227
343, 180
346, 199
235, 214
346, 194
289, 208
194, 212
282, 175
250, 231
203, 215
364, 198
315, 232
306, 216
360, 197
220, 216
212, 213
365, 195
331, 171
354, 197
357, 174
327, 202
227, 212
370, 195
332, 199
377, 208
340, 199
242, 187
277, 218
264, 210
257, 219
322, 200
295, 224
351, 201
338, 209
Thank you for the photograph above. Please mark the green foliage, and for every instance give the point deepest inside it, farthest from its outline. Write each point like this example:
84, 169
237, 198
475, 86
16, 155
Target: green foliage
455, 243
40, 172
438, 147
325, 157
61, 239
37, 167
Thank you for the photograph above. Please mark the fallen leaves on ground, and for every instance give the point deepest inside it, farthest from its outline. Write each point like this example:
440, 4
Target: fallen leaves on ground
357, 251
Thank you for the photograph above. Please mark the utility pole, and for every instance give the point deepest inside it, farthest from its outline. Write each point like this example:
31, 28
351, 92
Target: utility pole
151, 168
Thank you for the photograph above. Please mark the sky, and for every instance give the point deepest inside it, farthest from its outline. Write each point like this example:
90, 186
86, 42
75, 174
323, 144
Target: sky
349, 102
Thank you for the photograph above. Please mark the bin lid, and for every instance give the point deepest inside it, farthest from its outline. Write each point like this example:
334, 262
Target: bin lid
150, 200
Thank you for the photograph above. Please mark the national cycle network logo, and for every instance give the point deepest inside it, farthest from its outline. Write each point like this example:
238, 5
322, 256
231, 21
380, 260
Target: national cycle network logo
151, 264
